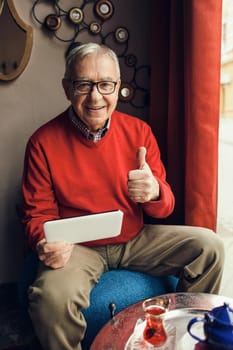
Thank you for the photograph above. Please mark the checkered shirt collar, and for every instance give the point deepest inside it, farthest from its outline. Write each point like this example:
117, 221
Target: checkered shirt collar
94, 136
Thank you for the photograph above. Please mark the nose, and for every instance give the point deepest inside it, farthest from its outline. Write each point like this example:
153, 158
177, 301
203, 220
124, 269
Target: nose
94, 94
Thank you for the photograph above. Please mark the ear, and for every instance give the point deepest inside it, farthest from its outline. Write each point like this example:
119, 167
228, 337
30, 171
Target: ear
67, 88
118, 86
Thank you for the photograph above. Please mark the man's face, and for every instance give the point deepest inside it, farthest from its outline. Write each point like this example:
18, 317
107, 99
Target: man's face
93, 108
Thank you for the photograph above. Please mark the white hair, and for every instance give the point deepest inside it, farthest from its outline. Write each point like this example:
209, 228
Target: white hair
79, 52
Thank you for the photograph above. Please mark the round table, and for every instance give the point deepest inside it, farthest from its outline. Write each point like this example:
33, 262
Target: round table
183, 306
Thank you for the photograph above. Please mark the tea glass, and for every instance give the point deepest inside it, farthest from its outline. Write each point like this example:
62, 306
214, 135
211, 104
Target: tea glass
155, 310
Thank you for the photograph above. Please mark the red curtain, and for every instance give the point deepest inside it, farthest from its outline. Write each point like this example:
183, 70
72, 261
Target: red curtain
185, 88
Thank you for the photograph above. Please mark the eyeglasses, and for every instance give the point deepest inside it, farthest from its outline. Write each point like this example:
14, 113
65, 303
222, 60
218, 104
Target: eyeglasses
84, 87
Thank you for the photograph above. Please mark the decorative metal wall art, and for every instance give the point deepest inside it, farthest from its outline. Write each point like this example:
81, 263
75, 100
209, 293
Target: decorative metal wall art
77, 20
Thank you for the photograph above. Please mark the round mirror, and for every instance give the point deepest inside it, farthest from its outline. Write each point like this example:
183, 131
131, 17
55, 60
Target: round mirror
16, 42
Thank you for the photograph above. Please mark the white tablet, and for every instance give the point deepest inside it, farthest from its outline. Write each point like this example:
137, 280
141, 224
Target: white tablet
84, 228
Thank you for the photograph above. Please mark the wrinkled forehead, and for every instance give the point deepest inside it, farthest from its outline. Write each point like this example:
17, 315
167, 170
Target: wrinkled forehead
101, 60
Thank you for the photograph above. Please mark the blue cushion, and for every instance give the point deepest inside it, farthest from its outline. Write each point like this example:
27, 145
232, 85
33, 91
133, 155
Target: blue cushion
121, 287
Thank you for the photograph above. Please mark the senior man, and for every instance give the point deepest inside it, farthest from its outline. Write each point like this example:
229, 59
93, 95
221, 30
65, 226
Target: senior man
89, 159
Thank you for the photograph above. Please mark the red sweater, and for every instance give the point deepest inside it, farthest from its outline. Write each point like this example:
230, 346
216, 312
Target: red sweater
67, 175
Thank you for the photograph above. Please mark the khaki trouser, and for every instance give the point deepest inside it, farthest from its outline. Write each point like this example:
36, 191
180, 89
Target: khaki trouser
194, 254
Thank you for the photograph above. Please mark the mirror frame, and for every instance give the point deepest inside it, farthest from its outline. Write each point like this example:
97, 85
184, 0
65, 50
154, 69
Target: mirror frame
28, 44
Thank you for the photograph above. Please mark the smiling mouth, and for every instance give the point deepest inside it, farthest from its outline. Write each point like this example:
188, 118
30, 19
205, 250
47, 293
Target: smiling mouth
95, 108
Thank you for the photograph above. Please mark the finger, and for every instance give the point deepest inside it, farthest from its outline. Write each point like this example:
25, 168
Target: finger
41, 256
55, 246
55, 261
140, 175
58, 253
141, 157
40, 244
138, 198
135, 175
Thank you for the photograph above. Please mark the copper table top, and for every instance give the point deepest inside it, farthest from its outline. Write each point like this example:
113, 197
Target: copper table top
183, 306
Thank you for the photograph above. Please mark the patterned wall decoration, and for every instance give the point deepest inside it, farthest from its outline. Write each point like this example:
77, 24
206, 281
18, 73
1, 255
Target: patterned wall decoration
70, 25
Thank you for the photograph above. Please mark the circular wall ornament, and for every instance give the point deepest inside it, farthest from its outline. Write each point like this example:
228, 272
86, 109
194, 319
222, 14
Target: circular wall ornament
95, 27
121, 35
76, 15
52, 22
104, 9
126, 92
130, 60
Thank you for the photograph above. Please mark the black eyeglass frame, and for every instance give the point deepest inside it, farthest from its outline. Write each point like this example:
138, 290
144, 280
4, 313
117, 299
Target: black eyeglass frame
94, 83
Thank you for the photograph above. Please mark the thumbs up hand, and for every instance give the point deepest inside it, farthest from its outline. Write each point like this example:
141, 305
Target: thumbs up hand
142, 185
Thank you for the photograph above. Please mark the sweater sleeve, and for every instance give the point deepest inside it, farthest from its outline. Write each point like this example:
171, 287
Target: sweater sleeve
39, 200
164, 206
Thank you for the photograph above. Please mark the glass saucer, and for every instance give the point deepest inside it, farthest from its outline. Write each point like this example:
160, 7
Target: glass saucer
137, 342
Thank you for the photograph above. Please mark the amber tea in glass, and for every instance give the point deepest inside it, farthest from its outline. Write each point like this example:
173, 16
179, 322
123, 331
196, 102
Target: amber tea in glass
155, 309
